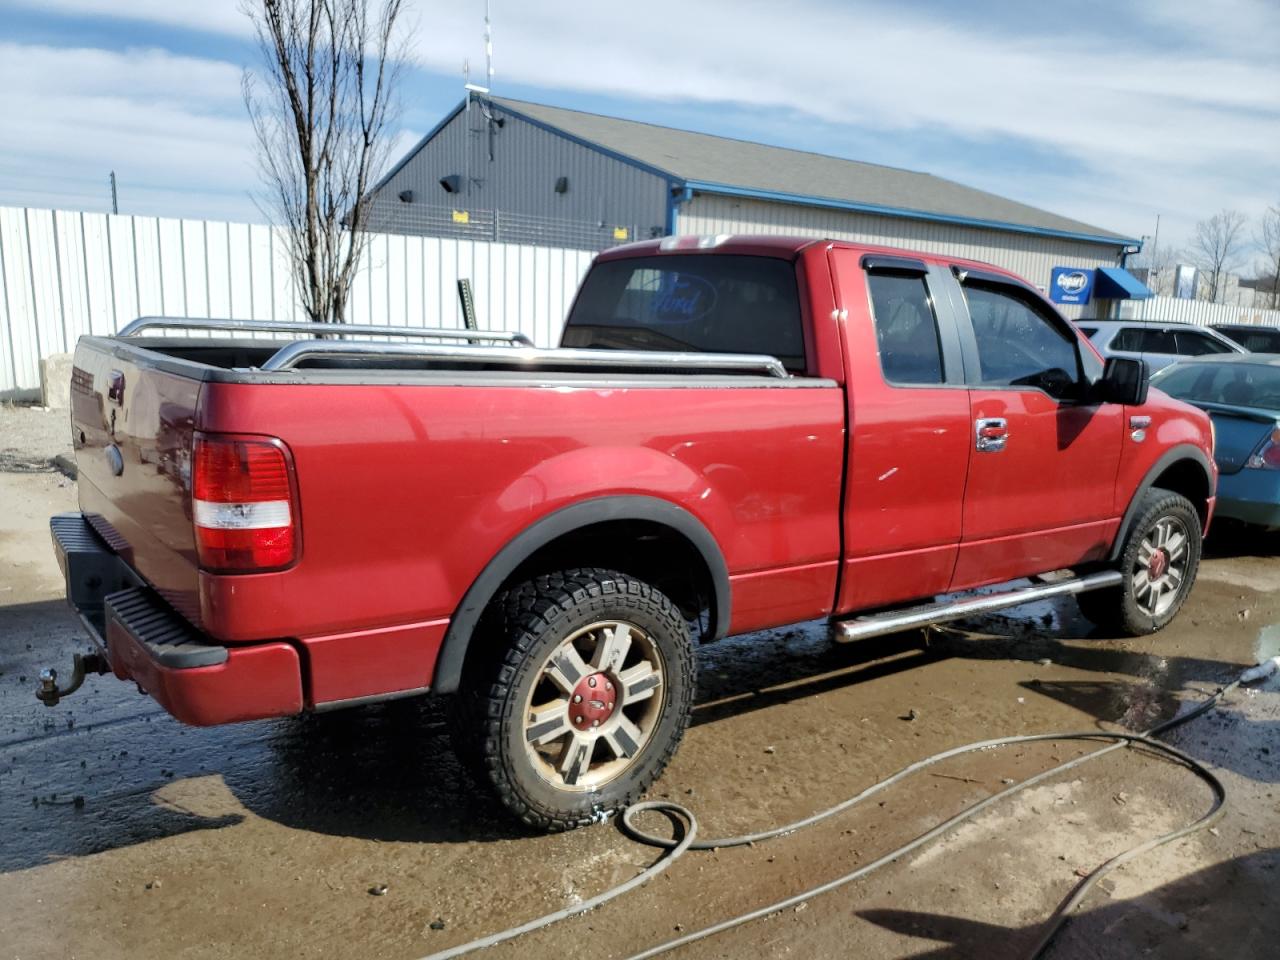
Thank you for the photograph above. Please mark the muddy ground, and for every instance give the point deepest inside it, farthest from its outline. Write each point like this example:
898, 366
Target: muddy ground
125, 834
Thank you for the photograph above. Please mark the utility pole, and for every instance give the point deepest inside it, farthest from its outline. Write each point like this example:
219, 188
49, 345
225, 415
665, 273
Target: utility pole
115, 205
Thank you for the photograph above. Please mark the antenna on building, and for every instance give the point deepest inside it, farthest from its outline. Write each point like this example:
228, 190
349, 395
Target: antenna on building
488, 46
115, 205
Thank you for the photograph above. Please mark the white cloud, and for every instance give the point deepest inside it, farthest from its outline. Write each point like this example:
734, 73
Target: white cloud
1177, 116
214, 16
173, 128
1184, 131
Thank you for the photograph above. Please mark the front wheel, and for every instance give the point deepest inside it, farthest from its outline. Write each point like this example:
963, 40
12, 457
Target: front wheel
585, 698
1159, 561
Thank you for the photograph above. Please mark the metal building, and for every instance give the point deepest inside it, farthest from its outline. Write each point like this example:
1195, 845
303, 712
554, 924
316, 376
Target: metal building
519, 172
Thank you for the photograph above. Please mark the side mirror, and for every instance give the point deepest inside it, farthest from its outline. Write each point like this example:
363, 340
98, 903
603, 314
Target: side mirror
1124, 380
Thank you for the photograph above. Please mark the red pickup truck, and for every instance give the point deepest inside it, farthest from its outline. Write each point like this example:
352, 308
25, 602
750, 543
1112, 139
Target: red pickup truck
736, 433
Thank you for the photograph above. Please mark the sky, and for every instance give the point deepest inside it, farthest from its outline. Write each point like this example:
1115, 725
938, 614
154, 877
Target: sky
1112, 112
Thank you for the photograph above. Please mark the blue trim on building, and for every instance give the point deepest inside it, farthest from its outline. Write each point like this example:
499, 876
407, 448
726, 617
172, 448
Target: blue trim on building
612, 154
677, 193
722, 189
421, 143
687, 188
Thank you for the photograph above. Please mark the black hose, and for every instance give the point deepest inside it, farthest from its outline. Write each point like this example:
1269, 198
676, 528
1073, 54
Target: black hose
683, 817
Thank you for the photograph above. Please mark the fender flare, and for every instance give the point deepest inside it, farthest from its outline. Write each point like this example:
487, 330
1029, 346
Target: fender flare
453, 650
1184, 451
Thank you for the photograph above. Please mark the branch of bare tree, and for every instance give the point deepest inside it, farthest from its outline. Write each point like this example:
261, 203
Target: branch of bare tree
1268, 241
1217, 248
322, 112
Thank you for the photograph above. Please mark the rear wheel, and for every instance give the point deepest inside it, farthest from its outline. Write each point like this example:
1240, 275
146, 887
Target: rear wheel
1159, 562
584, 699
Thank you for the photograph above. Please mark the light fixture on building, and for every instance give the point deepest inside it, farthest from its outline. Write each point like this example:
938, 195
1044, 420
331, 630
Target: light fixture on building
562, 185
452, 183
406, 196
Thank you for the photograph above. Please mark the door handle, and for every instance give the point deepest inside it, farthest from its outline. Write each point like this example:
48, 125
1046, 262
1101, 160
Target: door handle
990, 434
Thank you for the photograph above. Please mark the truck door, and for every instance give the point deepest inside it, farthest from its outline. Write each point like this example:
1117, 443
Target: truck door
1043, 466
908, 412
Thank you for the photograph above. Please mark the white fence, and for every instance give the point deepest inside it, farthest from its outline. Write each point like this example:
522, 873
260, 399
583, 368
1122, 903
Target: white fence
1199, 312
67, 273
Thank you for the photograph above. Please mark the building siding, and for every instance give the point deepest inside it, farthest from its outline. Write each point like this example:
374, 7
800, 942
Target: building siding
512, 197
1031, 257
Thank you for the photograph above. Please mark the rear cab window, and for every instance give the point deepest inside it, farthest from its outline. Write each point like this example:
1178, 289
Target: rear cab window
1254, 339
721, 303
1235, 384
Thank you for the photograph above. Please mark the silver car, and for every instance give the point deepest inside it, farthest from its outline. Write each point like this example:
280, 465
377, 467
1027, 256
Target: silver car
1160, 344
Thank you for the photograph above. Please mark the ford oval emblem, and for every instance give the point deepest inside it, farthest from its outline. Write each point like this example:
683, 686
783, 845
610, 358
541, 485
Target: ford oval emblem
115, 459
1073, 282
682, 298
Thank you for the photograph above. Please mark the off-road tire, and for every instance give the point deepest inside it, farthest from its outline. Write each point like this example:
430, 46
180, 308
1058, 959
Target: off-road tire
1117, 609
519, 631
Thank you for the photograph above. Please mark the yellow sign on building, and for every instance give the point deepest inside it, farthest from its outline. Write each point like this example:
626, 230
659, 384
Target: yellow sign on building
461, 216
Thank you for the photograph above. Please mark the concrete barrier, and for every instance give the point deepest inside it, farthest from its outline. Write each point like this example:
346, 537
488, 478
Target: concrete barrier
55, 381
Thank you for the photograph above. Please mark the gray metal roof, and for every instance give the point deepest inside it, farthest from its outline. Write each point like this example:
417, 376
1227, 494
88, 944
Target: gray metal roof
754, 169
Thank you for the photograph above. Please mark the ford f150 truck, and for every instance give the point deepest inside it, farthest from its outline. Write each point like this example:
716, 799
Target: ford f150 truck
735, 434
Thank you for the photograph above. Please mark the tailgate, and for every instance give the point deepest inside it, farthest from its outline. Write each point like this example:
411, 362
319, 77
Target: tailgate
132, 426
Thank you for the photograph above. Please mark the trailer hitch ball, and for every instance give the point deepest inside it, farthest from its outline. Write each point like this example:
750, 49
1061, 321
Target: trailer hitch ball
81, 665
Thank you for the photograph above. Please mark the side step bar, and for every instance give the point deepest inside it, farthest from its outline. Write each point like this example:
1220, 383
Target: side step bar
877, 625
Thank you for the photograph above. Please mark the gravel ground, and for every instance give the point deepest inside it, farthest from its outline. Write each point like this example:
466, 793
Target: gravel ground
31, 437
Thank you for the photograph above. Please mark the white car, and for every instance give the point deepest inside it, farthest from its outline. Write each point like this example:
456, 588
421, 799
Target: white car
1160, 344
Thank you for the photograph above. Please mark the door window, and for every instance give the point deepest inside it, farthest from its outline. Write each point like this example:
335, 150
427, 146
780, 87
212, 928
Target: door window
1020, 344
1192, 343
1144, 340
906, 330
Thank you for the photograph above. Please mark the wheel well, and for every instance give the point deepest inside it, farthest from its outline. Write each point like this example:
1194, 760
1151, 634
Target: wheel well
1187, 478
645, 549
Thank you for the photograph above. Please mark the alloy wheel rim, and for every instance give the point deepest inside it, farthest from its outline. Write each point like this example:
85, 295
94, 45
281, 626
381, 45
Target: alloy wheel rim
1160, 569
594, 705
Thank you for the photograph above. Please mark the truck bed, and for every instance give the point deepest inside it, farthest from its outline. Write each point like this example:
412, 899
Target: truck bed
379, 447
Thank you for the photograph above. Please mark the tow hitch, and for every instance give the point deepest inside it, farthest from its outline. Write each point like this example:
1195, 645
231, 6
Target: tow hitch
82, 664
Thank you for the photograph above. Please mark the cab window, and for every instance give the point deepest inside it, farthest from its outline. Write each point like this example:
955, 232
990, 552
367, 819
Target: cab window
906, 330
1144, 340
1192, 343
1019, 343
691, 302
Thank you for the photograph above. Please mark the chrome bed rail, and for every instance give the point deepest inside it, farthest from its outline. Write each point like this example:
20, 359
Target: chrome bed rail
312, 329
530, 358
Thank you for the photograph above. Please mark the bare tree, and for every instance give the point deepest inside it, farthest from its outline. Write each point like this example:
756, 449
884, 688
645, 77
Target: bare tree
1268, 240
1217, 248
321, 111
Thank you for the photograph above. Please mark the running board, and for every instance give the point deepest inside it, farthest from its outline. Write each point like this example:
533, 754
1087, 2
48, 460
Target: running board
877, 625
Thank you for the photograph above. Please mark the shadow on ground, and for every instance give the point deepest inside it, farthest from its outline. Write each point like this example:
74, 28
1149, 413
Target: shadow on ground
1182, 919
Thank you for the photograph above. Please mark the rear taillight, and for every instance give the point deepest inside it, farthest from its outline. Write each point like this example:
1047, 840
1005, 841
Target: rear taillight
1267, 456
243, 504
